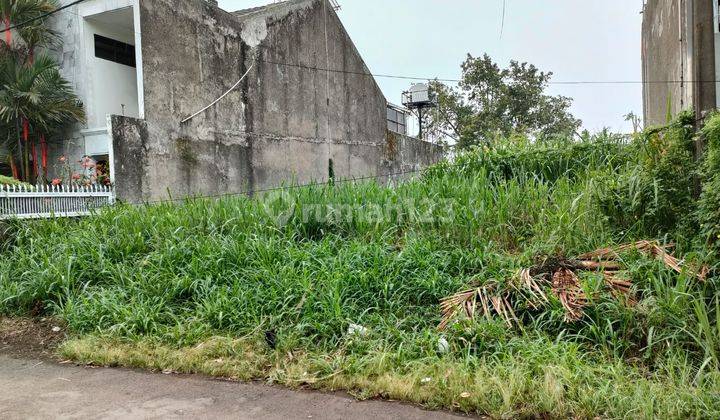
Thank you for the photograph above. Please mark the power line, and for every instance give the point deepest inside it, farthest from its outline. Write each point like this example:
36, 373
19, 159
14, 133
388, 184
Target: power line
502, 21
571, 82
44, 15
220, 97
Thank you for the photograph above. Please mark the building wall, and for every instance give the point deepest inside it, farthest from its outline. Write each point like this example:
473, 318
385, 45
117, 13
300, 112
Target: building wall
101, 85
114, 86
192, 53
402, 157
666, 57
705, 54
678, 54
284, 123
338, 115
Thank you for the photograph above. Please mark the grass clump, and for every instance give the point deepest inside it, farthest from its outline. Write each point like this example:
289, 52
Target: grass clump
274, 287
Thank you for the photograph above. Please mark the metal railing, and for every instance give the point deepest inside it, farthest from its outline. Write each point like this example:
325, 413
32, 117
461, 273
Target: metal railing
46, 201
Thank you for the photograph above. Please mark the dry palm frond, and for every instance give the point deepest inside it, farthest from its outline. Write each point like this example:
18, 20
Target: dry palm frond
648, 247
620, 287
702, 274
566, 286
451, 306
661, 253
611, 253
466, 303
598, 265
530, 289
559, 276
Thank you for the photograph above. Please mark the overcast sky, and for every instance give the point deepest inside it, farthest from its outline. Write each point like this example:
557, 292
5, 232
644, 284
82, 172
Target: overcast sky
578, 40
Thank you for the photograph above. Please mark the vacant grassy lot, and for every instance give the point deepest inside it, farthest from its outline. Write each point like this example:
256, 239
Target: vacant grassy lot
338, 287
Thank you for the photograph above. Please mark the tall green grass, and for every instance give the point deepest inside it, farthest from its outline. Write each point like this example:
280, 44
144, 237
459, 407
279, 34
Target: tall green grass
162, 281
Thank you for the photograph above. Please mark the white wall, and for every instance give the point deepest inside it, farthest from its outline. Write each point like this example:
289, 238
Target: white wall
100, 88
113, 85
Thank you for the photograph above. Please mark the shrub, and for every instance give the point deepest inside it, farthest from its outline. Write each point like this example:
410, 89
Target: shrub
653, 194
6, 180
709, 204
545, 161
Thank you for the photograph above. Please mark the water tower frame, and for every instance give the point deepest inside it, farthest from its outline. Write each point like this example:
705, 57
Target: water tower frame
419, 97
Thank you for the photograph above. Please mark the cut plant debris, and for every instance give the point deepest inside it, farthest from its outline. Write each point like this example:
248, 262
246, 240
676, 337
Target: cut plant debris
558, 277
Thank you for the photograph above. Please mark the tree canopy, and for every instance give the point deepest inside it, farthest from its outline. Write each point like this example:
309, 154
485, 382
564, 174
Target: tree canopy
491, 101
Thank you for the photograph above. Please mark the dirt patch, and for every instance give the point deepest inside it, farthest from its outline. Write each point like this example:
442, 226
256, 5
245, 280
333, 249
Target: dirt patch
30, 338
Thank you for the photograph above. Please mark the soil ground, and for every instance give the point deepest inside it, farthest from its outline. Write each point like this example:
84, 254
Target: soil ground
30, 338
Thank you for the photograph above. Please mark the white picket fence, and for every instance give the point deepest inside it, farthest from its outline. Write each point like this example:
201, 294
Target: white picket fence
46, 201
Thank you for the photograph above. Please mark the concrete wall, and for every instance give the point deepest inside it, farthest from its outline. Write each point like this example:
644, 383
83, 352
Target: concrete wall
338, 115
133, 165
284, 123
402, 158
705, 53
405, 155
192, 53
666, 57
678, 54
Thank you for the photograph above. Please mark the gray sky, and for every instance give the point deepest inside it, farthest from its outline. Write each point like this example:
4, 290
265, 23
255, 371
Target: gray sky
578, 40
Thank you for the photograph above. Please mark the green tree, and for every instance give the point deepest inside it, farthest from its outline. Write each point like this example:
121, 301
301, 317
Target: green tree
491, 101
35, 101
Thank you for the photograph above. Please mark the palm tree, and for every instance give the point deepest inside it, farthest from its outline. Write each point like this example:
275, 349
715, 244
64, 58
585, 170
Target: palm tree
34, 98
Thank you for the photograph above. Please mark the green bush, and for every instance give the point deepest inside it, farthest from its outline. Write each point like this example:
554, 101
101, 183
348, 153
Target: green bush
653, 194
709, 205
6, 180
546, 161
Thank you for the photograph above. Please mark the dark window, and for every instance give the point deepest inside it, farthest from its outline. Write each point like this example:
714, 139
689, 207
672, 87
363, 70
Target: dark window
396, 120
116, 51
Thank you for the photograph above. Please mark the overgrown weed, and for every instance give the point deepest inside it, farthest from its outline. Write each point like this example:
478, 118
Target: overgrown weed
195, 286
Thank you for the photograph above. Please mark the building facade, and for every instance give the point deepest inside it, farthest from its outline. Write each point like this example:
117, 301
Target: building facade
297, 101
680, 58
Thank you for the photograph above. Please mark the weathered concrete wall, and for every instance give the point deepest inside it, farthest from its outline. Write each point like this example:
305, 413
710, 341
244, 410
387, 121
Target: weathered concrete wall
284, 123
130, 157
405, 155
703, 36
338, 114
665, 58
184, 70
678, 54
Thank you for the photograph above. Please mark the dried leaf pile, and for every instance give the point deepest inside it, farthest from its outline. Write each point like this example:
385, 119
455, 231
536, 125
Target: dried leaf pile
559, 277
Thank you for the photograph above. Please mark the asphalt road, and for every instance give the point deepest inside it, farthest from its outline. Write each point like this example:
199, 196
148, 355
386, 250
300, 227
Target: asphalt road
43, 389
